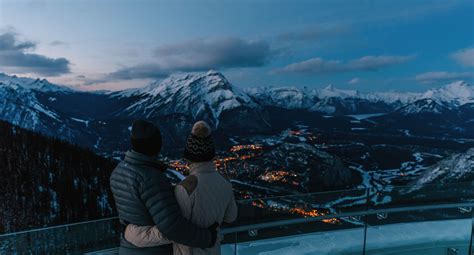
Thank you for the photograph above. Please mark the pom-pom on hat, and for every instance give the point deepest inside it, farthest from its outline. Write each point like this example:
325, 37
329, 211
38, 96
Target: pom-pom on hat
200, 145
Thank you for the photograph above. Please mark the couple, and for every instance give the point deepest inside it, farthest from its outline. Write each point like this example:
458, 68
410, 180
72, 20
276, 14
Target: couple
159, 219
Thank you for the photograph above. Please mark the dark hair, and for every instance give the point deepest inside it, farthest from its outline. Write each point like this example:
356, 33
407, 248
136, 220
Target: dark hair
145, 137
148, 146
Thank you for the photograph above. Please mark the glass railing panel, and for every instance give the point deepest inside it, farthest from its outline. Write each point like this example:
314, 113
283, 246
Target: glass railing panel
271, 209
229, 244
66, 239
288, 223
420, 232
340, 236
310, 237
433, 195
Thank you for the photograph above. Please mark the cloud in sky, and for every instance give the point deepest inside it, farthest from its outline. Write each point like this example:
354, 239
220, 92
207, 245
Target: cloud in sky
434, 77
464, 57
353, 81
58, 43
200, 55
141, 71
16, 58
312, 33
320, 66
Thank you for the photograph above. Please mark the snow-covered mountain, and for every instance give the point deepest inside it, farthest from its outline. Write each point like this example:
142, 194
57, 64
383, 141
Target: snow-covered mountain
457, 168
32, 104
440, 100
456, 93
20, 106
331, 91
328, 100
427, 105
202, 96
331, 100
284, 97
94, 119
19, 103
396, 98
32, 84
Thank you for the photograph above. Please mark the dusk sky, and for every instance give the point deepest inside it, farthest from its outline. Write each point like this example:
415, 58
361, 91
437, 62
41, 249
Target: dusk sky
363, 45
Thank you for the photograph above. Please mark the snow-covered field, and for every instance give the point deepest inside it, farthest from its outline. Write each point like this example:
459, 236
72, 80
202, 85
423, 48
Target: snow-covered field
420, 238
365, 116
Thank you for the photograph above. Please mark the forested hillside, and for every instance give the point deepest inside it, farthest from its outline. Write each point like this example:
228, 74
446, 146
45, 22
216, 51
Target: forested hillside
45, 181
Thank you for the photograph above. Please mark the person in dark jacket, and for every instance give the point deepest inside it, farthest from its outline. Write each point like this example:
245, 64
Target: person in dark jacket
144, 196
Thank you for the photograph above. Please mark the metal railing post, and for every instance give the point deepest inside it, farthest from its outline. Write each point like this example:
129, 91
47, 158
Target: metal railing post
366, 221
235, 244
472, 232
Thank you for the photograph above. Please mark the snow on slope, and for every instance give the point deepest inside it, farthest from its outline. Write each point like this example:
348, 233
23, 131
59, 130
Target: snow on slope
20, 106
427, 105
455, 168
286, 97
199, 95
19, 103
296, 98
33, 84
329, 99
458, 93
441, 100
331, 91
393, 97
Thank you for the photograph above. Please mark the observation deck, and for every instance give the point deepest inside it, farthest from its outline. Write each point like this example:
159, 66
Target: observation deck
433, 220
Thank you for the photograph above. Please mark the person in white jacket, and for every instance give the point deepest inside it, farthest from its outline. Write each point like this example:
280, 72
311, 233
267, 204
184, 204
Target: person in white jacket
205, 197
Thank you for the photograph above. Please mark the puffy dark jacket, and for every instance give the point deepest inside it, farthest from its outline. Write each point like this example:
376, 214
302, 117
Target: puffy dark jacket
144, 196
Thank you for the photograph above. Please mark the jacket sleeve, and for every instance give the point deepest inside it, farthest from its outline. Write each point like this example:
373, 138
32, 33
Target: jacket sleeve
157, 194
144, 236
231, 211
184, 201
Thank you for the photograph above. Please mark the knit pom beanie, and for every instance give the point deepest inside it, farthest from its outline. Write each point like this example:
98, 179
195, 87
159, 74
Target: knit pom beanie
200, 145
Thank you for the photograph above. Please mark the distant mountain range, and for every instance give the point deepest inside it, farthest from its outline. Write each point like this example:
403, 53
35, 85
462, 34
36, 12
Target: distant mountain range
101, 121
331, 100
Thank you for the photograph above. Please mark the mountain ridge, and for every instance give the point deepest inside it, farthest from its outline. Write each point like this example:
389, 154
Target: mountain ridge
95, 120
228, 96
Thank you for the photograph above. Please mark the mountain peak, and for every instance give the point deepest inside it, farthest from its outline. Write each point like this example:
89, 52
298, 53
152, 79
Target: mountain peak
37, 84
213, 72
458, 92
330, 87
331, 91
200, 95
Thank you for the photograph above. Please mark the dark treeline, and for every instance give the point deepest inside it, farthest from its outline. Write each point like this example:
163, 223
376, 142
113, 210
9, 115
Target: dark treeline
46, 181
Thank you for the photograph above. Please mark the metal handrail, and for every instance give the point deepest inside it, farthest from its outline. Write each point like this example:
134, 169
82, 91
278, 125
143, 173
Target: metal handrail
243, 228
58, 226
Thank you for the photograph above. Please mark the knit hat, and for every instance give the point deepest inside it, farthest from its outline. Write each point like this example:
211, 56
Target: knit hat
145, 138
200, 145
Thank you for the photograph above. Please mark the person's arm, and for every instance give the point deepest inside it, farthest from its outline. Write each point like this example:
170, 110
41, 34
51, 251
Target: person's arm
149, 236
231, 211
158, 196
144, 236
